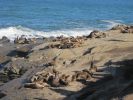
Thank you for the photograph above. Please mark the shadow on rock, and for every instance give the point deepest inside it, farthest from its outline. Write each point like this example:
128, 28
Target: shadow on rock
110, 87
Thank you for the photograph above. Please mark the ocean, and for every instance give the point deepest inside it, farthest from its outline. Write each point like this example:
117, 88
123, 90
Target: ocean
35, 18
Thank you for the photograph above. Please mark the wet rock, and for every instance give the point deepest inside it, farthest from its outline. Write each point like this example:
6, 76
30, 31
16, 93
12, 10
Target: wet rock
97, 34
5, 39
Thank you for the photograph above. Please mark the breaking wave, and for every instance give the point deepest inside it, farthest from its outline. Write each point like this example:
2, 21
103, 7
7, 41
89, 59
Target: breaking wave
13, 32
112, 23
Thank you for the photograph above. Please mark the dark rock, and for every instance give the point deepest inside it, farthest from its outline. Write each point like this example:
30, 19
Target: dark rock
1, 66
2, 95
4, 77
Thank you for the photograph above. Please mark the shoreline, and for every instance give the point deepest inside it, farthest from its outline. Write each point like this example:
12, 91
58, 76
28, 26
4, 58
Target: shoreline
40, 34
89, 67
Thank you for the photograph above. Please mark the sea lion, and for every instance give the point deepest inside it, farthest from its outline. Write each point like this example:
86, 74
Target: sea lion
64, 79
54, 80
34, 85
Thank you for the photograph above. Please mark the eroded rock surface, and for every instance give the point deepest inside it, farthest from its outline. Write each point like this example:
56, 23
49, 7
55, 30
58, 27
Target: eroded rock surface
68, 68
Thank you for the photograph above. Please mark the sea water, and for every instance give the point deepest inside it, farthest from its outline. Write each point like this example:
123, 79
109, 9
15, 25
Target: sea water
61, 17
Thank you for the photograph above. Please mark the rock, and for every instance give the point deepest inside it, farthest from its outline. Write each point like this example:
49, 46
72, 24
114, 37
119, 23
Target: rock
88, 51
97, 34
21, 41
123, 28
93, 68
5, 39
1, 66
24, 51
68, 62
2, 95
13, 76
49, 64
127, 30
4, 59
4, 77
11, 71
119, 27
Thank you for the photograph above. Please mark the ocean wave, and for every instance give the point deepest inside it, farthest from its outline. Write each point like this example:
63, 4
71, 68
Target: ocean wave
13, 32
112, 23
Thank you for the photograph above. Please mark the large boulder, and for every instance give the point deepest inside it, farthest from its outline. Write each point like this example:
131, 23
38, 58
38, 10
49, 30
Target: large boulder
97, 34
24, 50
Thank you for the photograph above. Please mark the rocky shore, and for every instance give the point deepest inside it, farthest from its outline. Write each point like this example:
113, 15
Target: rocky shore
94, 67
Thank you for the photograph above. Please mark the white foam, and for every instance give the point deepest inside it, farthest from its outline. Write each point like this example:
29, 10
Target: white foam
112, 23
13, 32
